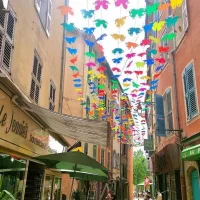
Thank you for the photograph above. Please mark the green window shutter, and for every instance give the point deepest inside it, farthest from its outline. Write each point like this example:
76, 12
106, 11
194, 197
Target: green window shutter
190, 92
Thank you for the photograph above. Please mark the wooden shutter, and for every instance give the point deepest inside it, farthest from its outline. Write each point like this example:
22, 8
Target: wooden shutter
7, 23
169, 110
160, 118
49, 13
192, 101
190, 92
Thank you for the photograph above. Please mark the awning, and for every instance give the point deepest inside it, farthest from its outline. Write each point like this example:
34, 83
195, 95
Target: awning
191, 153
86, 130
90, 131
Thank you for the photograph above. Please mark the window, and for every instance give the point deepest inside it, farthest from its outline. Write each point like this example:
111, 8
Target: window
7, 25
86, 148
95, 152
168, 110
190, 92
52, 96
102, 156
36, 79
109, 160
44, 8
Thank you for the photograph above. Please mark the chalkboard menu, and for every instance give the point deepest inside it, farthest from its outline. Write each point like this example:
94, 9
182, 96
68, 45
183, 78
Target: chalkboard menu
34, 182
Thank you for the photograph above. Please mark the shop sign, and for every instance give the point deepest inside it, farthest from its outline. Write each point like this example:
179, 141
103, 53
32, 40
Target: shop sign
20, 130
190, 153
148, 145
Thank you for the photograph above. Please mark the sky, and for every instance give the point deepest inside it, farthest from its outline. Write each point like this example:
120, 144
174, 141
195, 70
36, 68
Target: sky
110, 15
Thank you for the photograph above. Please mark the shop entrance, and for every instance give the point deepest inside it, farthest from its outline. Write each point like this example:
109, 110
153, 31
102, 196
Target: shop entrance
34, 181
195, 185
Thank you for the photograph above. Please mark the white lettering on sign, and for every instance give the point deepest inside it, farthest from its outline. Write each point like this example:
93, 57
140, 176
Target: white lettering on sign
192, 152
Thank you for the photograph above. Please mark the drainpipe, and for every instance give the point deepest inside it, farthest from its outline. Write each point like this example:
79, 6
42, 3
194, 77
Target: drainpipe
63, 59
182, 168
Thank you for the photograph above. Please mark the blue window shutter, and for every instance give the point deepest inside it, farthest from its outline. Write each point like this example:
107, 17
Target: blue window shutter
190, 93
160, 117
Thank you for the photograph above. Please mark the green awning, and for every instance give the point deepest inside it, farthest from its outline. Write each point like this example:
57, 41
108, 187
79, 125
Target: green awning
191, 153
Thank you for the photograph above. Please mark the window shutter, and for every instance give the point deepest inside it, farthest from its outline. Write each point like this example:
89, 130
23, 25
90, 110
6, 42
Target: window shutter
169, 111
186, 94
160, 118
10, 26
39, 73
49, 13
185, 15
32, 91
191, 91
7, 55
2, 19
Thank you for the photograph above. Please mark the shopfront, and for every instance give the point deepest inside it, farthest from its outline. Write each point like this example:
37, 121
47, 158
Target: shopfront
191, 158
168, 172
22, 139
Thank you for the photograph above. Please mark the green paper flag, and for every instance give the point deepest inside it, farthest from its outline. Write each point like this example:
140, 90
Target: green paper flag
152, 9
90, 54
169, 36
74, 68
171, 21
137, 12
102, 87
135, 85
152, 51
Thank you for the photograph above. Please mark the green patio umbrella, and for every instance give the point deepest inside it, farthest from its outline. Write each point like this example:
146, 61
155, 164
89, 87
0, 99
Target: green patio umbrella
77, 164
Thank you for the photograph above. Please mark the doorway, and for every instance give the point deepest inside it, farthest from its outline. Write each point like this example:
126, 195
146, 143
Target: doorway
195, 185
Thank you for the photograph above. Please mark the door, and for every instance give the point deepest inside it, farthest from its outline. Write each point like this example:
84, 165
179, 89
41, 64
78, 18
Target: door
195, 185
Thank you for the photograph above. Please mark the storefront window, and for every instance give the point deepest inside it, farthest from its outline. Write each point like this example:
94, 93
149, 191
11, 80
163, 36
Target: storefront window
48, 187
12, 170
57, 189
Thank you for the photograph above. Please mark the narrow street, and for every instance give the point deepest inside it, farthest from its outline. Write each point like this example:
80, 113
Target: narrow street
99, 99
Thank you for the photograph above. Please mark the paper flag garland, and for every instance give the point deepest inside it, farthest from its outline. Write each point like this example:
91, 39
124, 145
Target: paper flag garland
68, 27
137, 12
89, 31
117, 50
66, 10
101, 4
118, 37
120, 21
101, 22
123, 3
87, 13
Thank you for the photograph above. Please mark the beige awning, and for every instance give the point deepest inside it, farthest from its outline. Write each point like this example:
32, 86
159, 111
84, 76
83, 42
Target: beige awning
90, 131
86, 130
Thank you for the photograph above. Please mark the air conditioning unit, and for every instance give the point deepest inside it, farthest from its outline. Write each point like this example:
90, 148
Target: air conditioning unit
3, 4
